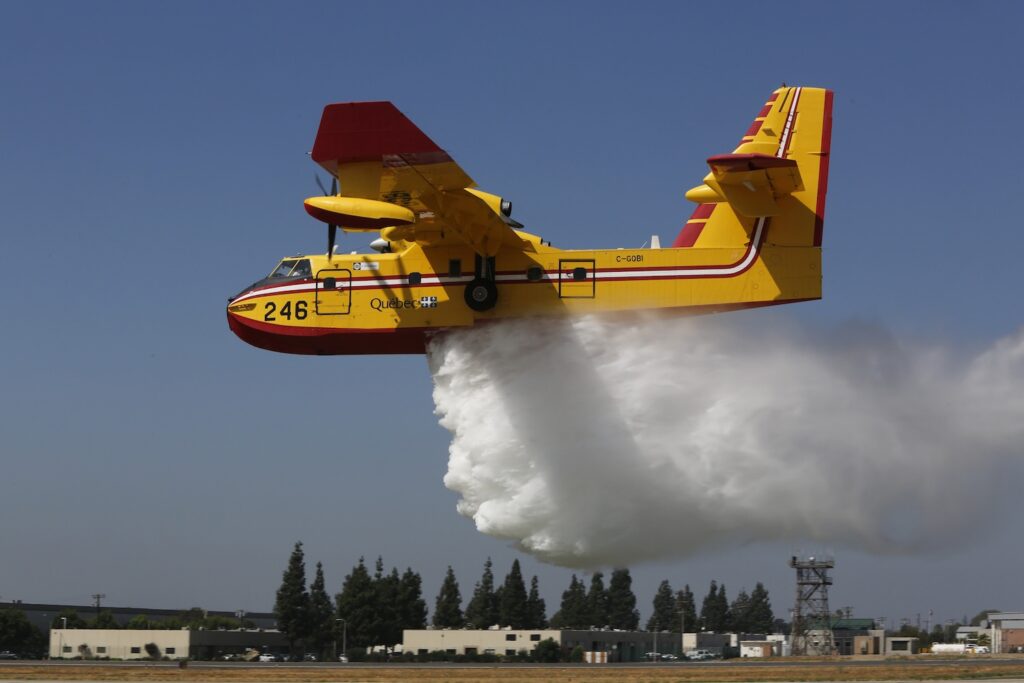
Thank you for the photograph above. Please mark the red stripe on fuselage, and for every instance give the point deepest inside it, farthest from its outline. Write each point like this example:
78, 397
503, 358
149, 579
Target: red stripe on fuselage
826, 153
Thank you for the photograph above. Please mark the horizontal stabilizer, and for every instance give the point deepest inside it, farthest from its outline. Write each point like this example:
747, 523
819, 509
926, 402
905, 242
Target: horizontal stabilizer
751, 183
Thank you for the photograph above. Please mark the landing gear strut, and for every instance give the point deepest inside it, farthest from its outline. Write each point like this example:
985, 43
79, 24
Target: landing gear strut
481, 292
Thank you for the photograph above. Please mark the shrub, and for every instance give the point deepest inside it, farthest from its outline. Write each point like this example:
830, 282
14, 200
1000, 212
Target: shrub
547, 651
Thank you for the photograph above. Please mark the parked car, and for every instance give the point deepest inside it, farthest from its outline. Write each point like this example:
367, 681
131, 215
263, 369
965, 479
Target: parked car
7, 654
270, 657
343, 659
699, 655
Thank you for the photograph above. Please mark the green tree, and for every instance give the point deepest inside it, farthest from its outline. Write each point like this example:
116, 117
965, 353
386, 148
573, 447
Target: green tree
482, 610
512, 610
292, 604
104, 619
760, 618
357, 605
739, 613
573, 611
686, 611
982, 616
386, 629
622, 612
723, 608
713, 612
73, 619
17, 633
547, 651
597, 612
321, 614
412, 610
140, 622
663, 616
536, 610
448, 605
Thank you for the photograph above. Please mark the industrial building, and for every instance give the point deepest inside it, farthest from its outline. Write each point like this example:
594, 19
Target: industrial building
41, 615
91, 643
1006, 632
607, 645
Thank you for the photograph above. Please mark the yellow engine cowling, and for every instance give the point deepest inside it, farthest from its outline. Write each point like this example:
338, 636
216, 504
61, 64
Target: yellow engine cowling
354, 213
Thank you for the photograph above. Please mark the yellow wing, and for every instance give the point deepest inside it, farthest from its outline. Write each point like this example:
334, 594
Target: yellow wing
379, 156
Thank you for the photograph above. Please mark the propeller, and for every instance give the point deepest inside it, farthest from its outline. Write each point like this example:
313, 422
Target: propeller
332, 229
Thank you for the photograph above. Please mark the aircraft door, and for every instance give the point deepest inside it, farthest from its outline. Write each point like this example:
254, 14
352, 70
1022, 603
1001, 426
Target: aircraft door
333, 291
576, 279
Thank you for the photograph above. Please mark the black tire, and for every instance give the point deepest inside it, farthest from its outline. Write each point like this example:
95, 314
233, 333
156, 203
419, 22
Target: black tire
481, 295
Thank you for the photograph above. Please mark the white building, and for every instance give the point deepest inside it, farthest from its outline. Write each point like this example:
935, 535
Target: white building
91, 643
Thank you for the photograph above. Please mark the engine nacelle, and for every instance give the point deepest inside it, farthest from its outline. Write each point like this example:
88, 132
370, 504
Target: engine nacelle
502, 207
354, 213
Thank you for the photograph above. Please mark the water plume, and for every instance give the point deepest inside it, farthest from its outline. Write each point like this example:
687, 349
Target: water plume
590, 442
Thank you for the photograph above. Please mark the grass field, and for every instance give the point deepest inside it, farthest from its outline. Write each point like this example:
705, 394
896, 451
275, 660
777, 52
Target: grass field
908, 670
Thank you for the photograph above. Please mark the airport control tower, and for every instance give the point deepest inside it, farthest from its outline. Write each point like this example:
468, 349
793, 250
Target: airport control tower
812, 620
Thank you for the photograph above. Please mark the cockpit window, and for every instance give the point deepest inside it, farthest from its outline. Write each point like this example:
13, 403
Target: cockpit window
292, 268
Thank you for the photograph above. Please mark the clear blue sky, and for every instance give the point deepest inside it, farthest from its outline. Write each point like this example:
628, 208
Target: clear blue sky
153, 161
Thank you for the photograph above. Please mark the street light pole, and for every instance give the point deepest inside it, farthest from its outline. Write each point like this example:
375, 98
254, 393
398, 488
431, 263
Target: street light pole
344, 636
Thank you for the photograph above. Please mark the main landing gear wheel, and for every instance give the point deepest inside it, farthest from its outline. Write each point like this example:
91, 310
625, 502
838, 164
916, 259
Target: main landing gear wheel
481, 295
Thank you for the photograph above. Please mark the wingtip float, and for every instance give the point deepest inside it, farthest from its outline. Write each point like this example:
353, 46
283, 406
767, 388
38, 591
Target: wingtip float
450, 255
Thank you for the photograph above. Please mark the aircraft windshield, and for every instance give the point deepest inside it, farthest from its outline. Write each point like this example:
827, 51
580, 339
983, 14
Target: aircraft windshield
292, 268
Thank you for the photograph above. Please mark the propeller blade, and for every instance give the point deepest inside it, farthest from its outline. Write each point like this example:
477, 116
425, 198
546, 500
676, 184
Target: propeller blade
332, 233
320, 184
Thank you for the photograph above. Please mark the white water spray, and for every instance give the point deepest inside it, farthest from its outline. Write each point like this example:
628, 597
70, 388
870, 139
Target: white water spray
592, 443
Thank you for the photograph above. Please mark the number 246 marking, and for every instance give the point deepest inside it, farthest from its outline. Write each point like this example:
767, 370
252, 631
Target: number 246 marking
300, 311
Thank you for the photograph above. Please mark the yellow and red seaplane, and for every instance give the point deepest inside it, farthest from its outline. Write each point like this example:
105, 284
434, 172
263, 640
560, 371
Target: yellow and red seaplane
449, 255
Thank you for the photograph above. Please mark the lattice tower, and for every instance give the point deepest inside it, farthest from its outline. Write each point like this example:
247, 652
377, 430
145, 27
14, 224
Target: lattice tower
812, 620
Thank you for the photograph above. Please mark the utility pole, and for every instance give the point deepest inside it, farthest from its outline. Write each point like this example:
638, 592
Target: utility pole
241, 619
97, 597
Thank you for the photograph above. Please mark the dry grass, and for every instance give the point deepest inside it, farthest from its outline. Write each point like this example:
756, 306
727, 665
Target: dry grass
834, 671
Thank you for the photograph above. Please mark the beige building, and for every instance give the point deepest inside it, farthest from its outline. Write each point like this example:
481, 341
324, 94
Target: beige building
91, 643
95, 643
613, 646
474, 642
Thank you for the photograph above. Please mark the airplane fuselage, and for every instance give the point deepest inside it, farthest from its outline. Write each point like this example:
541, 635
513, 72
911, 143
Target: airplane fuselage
391, 302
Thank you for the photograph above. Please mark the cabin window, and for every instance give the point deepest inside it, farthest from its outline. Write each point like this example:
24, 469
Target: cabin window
292, 268
415, 278
534, 273
455, 267
579, 273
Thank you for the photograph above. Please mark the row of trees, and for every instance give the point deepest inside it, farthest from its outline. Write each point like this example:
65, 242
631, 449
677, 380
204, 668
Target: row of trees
195, 618
506, 605
373, 609
369, 610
